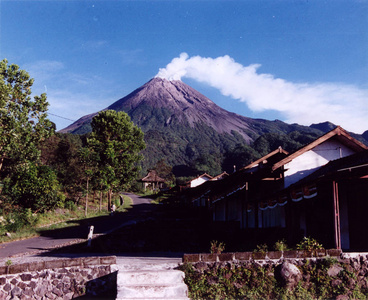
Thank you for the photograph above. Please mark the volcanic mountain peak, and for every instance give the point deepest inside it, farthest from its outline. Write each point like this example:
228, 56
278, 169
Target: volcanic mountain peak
160, 92
182, 104
185, 104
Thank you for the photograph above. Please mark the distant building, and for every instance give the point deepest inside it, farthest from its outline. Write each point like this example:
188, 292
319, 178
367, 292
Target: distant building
152, 181
220, 176
199, 180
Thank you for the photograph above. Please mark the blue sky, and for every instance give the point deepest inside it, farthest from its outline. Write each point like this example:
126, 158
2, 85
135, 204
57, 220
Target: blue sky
297, 61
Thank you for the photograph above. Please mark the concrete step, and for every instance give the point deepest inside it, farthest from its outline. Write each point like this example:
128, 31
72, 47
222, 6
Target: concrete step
151, 284
150, 277
178, 291
182, 298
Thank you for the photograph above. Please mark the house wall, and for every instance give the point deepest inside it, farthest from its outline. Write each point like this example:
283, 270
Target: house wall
314, 217
344, 216
357, 202
272, 217
310, 161
219, 211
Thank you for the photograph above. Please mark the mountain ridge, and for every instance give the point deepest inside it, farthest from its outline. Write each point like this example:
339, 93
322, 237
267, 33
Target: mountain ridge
186, 105
185, 127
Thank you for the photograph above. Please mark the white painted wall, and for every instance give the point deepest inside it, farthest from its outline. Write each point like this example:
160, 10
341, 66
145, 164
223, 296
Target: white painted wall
313, 159
198, 181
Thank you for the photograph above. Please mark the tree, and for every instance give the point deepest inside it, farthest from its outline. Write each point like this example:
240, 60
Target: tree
239, 156
35, 187
117, 142
165, 171
271, 141
88, 162
23, 121
62, 153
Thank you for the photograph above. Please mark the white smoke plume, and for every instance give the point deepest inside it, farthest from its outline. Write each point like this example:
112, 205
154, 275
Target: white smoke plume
302, 103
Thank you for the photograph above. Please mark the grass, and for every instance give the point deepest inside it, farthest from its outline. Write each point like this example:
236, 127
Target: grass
59, 218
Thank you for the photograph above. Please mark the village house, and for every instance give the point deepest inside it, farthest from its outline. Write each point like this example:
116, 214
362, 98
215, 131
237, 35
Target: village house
152, 181
202, 179
320, 190
199, 180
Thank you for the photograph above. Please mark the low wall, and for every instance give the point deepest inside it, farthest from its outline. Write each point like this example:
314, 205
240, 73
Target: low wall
245, 256
60, 279
337, 275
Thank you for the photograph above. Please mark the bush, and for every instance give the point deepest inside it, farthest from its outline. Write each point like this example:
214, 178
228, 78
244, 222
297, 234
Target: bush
280, 246
35, 187
18, 219
216, 247
70, 205
309, 243
263, 248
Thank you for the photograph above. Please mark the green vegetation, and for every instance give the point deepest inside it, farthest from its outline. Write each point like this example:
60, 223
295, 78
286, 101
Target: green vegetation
195, 151
24, 224
281, 245
309, 243
23, 126
114, 147
23, 121
35, 187
230, 282
263, 248
252, 281
41, 172
217, 247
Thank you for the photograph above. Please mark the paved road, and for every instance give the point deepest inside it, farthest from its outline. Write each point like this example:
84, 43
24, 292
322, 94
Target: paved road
142, 209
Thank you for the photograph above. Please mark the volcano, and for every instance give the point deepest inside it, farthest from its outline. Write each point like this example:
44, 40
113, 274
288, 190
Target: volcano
161, 103
182, 126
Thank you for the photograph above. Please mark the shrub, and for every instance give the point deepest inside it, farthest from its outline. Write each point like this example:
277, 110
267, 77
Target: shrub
263, 248
216, 247
308, 243
35, 187
17, 220
280, 246
70, 205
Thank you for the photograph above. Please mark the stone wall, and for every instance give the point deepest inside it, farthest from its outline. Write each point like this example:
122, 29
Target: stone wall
271, 255
341, 277
60, 279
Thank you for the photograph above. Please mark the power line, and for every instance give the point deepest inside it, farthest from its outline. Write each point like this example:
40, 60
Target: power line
61, 117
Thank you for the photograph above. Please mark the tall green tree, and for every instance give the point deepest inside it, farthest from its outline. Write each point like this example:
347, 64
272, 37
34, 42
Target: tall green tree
165, 172
238, 157
88, 162
35, 187
118, 143
62, 153
23, 120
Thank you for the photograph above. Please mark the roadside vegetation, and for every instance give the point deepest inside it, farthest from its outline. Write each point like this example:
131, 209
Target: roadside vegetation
52, 178
23, 224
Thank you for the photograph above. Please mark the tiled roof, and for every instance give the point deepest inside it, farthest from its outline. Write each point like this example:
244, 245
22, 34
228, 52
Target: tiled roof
152, 176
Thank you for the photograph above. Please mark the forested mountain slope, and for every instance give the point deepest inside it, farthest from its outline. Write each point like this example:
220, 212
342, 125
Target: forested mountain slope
193, 134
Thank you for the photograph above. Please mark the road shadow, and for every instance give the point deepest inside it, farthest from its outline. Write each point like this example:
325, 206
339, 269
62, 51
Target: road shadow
79, 229
163, 231
158, 229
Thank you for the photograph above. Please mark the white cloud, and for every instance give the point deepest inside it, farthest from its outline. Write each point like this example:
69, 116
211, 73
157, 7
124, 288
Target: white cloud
302, 103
